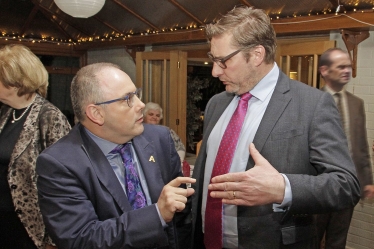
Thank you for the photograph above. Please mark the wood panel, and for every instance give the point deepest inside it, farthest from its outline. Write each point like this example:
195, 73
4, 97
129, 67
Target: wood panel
293, 54
163, 77
306, 48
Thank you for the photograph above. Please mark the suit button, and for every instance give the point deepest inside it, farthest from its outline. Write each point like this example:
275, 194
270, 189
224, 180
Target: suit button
18, 211
13, 186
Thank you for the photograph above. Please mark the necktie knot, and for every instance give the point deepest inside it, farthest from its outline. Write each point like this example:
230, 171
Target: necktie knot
245, 97
124, 150
117, 149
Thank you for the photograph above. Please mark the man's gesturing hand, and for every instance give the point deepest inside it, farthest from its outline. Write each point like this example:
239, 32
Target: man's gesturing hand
260, 185
173, 199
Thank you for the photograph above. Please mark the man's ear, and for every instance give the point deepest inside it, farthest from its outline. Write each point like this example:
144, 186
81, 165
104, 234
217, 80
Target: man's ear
95, 113
258, 53
323, 70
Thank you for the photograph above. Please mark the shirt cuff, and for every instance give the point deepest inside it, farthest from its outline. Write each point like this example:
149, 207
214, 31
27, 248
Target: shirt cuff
163, 223
287, 200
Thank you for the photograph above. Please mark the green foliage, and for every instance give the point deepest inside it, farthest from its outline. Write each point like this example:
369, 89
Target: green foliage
194, 95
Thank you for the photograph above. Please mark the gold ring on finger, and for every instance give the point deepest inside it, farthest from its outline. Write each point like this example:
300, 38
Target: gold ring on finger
233, 194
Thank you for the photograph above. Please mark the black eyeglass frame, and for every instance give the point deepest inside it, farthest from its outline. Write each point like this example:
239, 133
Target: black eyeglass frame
129, 98
221, 61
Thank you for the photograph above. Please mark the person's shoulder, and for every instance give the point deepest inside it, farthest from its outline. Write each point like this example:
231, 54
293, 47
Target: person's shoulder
303, 86
220, 98
305, 90
151, 129
286, 84
352, 97
66, 143
47, 106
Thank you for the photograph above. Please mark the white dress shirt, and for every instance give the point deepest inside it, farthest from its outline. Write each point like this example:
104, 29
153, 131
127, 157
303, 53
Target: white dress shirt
257, 105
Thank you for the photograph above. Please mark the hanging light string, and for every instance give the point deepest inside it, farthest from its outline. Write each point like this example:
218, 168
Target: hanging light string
170, 31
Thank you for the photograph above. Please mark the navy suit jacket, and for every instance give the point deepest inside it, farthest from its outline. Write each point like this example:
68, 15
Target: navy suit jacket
300, 134
83, 204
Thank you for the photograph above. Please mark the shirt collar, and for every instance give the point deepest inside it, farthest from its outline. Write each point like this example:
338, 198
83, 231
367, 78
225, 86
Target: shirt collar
105, 145
332, 92
266, 84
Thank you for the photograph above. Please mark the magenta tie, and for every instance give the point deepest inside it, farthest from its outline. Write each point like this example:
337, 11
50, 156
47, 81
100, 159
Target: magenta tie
225, 154
134, 191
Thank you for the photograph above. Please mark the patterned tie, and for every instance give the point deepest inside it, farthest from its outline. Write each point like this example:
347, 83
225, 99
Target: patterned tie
134, 191
213, 212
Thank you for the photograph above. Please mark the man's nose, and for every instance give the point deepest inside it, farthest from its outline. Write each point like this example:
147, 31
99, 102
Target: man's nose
217, 70
139, 103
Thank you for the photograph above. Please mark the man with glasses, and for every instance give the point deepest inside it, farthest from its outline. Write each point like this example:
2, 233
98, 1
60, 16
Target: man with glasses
112, 182
273, 152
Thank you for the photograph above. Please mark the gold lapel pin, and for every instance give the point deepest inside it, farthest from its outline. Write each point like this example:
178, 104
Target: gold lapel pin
151, 159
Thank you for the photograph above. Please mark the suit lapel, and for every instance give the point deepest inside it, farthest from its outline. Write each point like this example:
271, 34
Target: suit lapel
29, 129
278, 103
149, 163
104, 171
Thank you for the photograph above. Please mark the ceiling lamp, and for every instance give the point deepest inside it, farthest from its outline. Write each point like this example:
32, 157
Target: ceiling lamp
80, 8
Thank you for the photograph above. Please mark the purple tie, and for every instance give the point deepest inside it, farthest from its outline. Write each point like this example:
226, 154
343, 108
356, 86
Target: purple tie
134, 191
213, 212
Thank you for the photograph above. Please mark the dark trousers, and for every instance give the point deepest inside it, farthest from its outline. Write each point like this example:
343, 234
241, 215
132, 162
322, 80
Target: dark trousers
12, 233
335, 227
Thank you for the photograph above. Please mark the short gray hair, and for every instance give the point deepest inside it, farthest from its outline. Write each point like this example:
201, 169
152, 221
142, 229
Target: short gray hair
152, 106
85, 88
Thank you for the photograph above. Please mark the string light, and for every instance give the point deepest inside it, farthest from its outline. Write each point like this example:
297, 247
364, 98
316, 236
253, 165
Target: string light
172, 30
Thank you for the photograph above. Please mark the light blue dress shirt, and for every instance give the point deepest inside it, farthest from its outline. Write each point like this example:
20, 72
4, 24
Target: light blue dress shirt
257, 105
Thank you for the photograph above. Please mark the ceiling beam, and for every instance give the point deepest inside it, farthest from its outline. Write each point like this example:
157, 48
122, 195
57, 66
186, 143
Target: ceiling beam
55, 16
136, 15
29, 19
321, 23
283, 27
45, 48
179, 6
246, 3
160, 38
107, 24
49, 16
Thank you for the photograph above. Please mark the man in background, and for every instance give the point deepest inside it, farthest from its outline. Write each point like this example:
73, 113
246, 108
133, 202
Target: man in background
273, 153
112, 182
336, 69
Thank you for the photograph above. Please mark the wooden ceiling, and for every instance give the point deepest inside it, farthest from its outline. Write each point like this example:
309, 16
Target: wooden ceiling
137, 23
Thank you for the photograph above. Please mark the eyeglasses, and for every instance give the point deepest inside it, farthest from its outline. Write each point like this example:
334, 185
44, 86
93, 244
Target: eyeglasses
221, 62
129, 98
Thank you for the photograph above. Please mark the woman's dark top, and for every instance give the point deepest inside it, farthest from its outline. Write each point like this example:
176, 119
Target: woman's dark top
8, 139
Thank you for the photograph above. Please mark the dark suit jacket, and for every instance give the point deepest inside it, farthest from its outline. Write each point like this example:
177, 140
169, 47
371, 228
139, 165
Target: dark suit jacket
359, 144
83, 203
301, 136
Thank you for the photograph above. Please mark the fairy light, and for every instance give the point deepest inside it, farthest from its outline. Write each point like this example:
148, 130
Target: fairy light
188, 28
